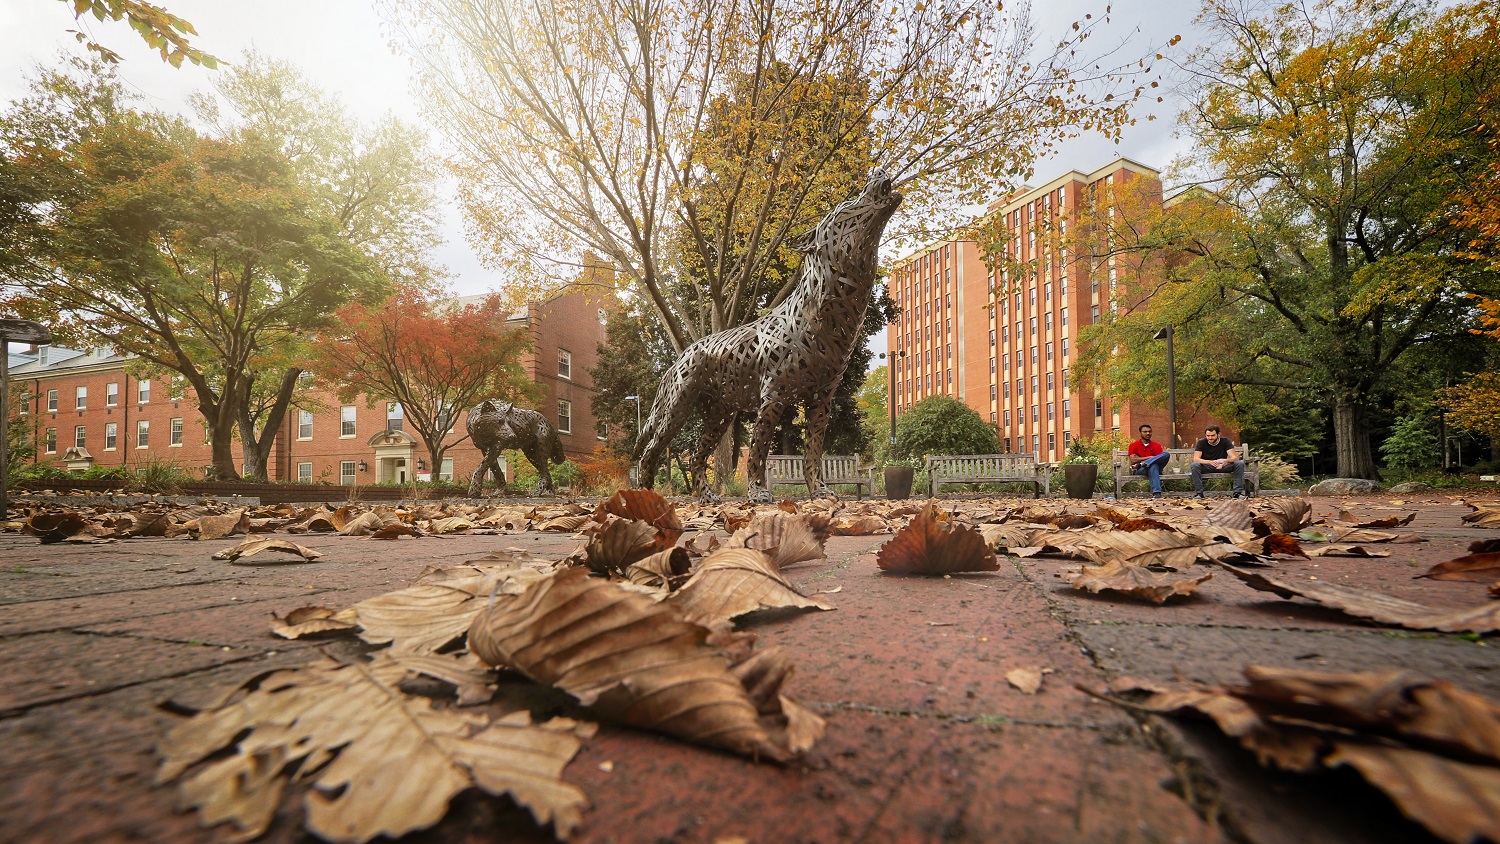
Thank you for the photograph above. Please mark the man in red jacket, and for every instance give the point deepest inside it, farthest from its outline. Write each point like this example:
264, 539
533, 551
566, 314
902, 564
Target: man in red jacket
1147, 457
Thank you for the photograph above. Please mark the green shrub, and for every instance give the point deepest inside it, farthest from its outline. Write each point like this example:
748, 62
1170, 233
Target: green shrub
1276, 473
114, 473
943, 425
1412, 444
163, 476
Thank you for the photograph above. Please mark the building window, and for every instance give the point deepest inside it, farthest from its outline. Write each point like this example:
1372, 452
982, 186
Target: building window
1098, 408
52, 400
1049, 350
1051, 442
1067, 408
446, 472
1048, 321
80, 436
346, 421
1050, 406
1065, 347
1036, 413
143, 434
1064, 316
1036, 442
993, 392
1050, 384
1020, 387
142, 392
992, 366
304, 473
1033, 383
1067, 438
1006, 385
111, 436
1033, 354
81, 398
51, 440
992, 337
564, 416
992, 417
346, 472
564, 364
41, 354
304, 424
1095, 313
1007, 418
111, 394
395, 417
1033, 326
176, 431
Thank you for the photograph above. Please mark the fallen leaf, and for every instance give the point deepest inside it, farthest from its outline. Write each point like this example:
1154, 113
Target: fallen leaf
647, 506
343, 725
1484, 568
1273, 543
927, 546
866, 525
788, 539
1386, 522
664, 570
617, 543
1486, 514
1345, 550
306, 621
437, 609
55, 527
219, 527
450, 524
363, 524
396, 530
251, 547
1233, 514
735, 581
1376, 606
634, 660
1028, 680
1284, 515
1143, 548
1456, 801
1135, 581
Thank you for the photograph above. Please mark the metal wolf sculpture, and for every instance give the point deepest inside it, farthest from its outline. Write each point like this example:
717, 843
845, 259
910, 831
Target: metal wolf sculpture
794, 354
496, 425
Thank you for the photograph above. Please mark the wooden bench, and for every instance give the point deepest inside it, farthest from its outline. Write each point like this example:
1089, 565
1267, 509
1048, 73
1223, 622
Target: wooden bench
837, 469
1020, 468
1179, 468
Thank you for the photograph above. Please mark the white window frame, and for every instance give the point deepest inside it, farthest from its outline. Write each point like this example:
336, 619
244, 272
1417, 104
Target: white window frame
111, 394
80, 398
143, 391
304, 424
111, 436
394, 412
304, 473
564, 416
143, 433
51, 401
347, 469
565, 364
49, 443
174, 437
348, 422
80, 436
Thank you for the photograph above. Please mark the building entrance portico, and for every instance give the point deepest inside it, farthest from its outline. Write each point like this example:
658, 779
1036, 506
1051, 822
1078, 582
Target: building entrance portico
395, 457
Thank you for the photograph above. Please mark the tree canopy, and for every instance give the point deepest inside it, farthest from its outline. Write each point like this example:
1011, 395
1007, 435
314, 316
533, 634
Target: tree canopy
1330, 140
162, 31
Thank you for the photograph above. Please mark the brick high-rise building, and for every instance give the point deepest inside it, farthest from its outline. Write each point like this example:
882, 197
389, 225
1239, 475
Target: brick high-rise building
1004, 342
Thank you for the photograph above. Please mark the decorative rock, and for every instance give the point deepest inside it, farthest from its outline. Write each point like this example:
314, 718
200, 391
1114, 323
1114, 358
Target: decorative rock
1410, 487
1344, 486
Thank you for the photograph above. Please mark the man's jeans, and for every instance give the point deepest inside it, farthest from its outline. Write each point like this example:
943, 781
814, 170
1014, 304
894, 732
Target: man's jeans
1237, 467
1151, 467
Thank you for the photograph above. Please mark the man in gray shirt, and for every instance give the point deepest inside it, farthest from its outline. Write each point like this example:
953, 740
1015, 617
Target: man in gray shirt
1215, 453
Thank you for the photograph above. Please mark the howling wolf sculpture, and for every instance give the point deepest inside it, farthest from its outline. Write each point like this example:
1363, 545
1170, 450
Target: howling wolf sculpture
795, 354
496, 425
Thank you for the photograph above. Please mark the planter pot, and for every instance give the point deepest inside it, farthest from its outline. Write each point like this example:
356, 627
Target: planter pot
1080, 479
898, 481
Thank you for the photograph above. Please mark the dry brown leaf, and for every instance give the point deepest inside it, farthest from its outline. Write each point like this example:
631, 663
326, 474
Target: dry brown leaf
711, 543
1028, 680
363, 524
1284, 515
787, 539
396, 530
565, 523
1345, 550
1376, 606
1233, 514
616, 543
219, 527
1135, 581
664, 570
1456, 801
1357, 535
306, 621
437, 609
647, 506
1484, 568
927, 546
867, 525
734, 581
344, 726
1385, 522
250, 547
449, 524
55, 527
1007, 536
1143, 548
635, 660
1273, 543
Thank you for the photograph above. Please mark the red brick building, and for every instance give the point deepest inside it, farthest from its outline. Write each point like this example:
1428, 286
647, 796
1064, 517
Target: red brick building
1004, 342
93, 408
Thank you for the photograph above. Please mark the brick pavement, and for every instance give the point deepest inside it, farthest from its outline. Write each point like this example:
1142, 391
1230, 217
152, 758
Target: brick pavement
925, 742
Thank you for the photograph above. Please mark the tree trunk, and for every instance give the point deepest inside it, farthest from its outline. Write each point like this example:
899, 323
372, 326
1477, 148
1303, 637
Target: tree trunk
221, 432
725, 458
1351, 439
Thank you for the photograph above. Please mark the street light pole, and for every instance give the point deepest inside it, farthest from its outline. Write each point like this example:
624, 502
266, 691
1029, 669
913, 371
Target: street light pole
633, 478
890, 382
1166, 334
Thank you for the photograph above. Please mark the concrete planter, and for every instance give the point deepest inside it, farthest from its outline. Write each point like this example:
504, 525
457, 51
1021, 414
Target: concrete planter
898, 481
1080, 479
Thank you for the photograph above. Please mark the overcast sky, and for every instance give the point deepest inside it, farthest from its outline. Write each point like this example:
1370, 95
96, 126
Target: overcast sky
343, 47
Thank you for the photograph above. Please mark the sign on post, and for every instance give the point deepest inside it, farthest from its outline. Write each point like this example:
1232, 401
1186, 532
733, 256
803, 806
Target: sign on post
12, 331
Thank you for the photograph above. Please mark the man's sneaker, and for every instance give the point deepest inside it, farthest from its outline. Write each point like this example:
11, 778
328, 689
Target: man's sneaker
1155, 496
1198, 495
1240, 493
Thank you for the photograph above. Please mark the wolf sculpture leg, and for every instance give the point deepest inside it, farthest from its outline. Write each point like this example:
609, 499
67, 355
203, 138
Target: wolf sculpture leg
818, 414
760, 447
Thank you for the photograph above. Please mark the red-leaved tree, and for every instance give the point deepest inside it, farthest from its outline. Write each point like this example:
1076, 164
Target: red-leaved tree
437, 358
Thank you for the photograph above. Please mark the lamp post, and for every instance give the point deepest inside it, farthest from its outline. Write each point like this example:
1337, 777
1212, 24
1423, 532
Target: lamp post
890, 380
634, 480
1166, 334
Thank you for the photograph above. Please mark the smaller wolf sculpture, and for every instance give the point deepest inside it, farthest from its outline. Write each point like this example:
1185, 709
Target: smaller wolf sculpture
496, 425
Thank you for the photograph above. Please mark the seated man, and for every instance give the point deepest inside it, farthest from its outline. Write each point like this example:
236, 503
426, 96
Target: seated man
1215, 453
1147, 457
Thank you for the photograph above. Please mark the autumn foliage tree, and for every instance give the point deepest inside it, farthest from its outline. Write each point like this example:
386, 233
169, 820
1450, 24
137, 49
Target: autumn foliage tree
688, 141
1321, 251
437, 358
